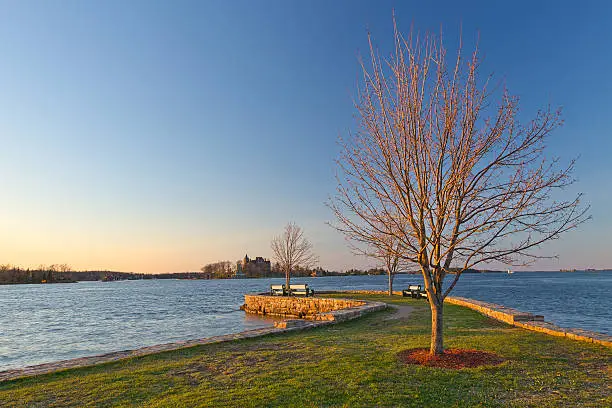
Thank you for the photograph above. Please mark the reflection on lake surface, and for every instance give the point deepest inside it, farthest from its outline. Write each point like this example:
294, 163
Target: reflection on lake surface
43, 323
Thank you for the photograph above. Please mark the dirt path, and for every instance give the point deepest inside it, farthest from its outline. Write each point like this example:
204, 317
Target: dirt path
401, 312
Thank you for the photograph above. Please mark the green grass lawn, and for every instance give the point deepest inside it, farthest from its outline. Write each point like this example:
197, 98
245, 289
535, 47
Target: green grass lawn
353, 364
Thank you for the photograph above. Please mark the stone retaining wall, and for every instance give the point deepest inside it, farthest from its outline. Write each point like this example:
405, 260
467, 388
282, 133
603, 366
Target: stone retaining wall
513, 317
530, 321
502, 313
310, 308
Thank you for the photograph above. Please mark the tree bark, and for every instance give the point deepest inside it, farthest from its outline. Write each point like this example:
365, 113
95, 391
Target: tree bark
287, 276
437, 339
390, 285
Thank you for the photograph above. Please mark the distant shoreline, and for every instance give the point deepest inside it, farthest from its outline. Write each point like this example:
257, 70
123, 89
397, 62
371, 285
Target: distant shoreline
36, 283
130, 276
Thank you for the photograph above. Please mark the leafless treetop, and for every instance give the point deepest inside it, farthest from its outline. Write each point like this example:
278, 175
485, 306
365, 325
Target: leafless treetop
445, 171
292, 249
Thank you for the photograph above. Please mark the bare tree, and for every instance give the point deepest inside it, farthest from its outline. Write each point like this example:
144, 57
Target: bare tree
386, 249
389, 253
291, 249
220, 269
437, 165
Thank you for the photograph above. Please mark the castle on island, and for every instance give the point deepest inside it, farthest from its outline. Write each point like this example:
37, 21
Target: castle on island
253, 268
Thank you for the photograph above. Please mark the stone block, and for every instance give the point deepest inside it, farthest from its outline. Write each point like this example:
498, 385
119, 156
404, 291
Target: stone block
543, 327
286, 324
579, 334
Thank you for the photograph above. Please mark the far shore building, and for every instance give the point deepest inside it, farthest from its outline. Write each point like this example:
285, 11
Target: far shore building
253, 268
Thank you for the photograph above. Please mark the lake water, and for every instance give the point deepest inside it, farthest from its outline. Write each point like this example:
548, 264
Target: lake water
43, 323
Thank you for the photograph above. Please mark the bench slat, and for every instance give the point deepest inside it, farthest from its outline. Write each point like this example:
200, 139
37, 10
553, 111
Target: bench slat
415, 292
277, 290
300, 289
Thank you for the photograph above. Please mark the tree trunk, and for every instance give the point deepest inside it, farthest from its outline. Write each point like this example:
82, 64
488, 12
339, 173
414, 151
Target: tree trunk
287, 276
437, 340
390, 284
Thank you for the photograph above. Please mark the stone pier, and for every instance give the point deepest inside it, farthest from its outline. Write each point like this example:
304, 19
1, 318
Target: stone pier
309, 308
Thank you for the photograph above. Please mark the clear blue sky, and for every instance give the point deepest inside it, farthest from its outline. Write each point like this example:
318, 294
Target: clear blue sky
159, 136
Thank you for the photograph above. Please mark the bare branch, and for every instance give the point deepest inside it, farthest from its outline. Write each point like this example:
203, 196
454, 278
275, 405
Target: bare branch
291, 250
441, 174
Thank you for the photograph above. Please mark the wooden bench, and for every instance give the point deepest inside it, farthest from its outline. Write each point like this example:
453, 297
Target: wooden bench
277, 290
301, 289
415, 292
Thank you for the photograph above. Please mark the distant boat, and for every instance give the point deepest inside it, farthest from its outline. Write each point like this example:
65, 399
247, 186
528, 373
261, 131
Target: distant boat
510, 272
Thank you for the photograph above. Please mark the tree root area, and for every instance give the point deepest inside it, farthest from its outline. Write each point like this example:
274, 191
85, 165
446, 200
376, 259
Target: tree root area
454, 359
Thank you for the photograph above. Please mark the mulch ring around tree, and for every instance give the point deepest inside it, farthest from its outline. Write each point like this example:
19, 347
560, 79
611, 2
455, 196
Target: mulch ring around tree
454, 359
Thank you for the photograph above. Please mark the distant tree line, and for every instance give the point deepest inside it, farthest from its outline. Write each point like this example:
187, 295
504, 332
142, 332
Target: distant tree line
220, 270
63, 273
353, 271
42, 274
227, 270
